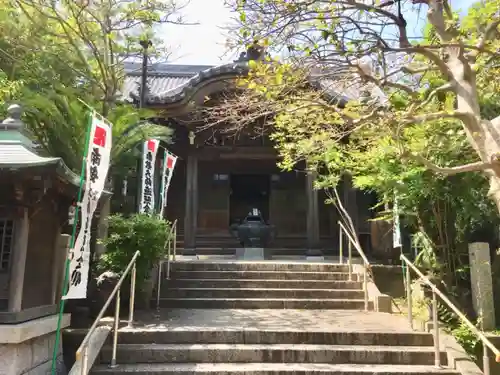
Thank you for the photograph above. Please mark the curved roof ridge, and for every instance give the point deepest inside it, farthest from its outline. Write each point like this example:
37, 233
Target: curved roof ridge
179, 93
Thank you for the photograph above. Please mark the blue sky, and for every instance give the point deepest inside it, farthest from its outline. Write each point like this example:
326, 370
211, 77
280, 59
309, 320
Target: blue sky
206, 43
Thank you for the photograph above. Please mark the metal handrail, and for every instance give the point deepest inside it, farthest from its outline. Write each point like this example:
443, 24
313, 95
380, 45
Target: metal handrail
366, 263
83, 348
170, 242
435, 291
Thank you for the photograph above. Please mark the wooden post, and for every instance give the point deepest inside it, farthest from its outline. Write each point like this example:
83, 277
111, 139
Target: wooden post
191, 212
350, 201
16, 281
59, 261
312, 212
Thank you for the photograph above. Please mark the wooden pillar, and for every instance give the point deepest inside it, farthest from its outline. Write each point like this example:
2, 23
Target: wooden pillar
313, 239
350, 201
61, 250
191, 212
102, 225
16, 281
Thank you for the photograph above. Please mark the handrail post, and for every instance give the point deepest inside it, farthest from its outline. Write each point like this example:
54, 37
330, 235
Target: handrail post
437, 353
132, 296
115, 329
175, 241
168, 259
350, 260
85, 359
341, 252
158, 286
365, 285
436, 292
409, 296
486, 360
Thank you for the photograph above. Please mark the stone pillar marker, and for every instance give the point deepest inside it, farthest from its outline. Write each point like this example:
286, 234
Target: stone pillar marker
16, 281
482, 284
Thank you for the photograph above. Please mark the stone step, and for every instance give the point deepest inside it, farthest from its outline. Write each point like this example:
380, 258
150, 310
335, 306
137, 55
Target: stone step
267, 275
261, 293
230, 249
209, 250
258, 266
264, 303
277, 353
268, 369
200, 335
256, 283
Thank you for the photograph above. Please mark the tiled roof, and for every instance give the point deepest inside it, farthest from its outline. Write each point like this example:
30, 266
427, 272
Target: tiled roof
16, 155
18, 151
170, 83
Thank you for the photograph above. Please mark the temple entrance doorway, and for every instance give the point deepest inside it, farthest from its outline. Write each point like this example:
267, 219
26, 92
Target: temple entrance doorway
248, 191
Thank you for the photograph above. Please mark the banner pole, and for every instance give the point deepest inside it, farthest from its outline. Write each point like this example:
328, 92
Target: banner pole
72, 244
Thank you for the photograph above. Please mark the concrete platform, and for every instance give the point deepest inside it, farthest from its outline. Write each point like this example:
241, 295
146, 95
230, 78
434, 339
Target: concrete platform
271, 368
270, 319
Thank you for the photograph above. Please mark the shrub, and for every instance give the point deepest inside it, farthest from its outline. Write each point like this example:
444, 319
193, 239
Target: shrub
126, 235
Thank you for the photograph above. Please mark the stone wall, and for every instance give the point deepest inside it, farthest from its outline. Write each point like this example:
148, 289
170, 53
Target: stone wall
389, 280
27, 348
494, 366
31, 357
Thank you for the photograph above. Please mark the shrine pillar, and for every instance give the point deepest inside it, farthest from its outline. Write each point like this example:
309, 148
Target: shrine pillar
16, 280
313, 238
191, 211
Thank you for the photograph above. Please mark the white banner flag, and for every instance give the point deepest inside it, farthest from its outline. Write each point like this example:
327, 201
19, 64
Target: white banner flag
97, 165
396, 230
169, 161
148, 172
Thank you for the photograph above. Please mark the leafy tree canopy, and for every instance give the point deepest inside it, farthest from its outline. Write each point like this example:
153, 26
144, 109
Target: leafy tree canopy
397, 86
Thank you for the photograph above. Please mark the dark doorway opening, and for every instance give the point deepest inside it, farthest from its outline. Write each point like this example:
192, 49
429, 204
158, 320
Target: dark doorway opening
248, 191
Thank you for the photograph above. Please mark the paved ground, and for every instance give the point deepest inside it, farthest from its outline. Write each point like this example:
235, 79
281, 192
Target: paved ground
281, 320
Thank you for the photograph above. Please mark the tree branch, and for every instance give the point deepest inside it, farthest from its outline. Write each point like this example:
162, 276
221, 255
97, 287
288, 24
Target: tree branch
437, 116
489, 33
477, 166
444, 88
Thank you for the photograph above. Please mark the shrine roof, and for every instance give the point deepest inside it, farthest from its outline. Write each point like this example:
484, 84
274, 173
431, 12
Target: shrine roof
172, 83
19, 151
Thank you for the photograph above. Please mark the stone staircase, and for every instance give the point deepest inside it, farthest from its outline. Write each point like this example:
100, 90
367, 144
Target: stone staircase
225, 245
249, 285
237, 318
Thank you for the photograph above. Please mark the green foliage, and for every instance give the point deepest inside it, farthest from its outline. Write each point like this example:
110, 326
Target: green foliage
145, 233
390, 148
466, 338
59, 122
93, 38
54, 55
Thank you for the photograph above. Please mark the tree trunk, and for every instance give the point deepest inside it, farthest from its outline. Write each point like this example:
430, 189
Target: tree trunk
494, 192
